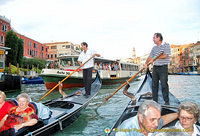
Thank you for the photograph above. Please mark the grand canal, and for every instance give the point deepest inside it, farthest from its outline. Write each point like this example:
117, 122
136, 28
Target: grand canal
93, 122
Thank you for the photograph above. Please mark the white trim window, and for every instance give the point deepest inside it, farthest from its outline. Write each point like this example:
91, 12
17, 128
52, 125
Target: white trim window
2, 39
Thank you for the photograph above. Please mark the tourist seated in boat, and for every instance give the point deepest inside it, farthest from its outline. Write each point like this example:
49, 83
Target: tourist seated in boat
146, 121
4, 105
18, 117
188, 114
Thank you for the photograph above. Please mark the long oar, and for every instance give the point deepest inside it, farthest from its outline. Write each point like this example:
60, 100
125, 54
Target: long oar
64, 79
129, 80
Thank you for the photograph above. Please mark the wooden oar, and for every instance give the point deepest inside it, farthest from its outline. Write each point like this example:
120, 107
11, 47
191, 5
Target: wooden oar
64, 79
130, 79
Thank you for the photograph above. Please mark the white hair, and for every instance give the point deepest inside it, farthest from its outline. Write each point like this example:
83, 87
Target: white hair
24, 95
146, 104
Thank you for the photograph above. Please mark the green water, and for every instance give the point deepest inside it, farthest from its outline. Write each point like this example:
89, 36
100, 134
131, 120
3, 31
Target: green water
93, 122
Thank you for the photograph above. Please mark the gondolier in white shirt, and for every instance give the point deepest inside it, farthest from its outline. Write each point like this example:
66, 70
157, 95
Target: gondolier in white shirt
160, 67
88, 67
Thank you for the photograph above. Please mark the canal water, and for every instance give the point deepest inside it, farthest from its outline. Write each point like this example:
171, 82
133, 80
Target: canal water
93, 121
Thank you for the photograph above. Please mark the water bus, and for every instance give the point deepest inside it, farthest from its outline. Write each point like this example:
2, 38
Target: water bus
111, 71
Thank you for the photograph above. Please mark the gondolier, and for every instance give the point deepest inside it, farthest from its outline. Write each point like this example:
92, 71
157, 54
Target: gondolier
88, 67
160, 67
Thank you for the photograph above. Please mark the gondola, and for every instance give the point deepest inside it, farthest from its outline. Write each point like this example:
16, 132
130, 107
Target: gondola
63, 112
144, 93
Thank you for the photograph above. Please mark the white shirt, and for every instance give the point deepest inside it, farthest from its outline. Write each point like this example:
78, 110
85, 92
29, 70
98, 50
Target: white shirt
195, 132
83, 57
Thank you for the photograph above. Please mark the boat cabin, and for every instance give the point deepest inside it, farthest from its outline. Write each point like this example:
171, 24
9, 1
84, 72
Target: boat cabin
107, 68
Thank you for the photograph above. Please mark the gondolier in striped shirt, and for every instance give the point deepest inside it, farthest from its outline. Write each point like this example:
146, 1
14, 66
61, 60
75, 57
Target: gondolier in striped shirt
160, 67
88, 67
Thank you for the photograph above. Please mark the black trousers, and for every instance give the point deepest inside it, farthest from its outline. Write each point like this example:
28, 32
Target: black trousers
160, 73
87, 80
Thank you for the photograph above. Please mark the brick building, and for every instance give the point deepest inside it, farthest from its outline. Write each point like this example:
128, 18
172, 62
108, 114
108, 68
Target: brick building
32, 48
4, 28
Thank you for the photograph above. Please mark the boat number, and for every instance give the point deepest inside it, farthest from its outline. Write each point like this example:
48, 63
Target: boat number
63, 73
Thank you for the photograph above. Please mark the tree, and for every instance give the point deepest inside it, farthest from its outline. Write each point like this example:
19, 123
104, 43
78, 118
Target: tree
11, 41
28, 62
20, 52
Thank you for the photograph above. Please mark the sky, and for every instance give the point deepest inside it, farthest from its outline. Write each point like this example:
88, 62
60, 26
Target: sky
111, 27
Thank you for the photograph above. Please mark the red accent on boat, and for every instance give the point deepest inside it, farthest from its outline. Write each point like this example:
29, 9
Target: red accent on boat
50, 85
73, 70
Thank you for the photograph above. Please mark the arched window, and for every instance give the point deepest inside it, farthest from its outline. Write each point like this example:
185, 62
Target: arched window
2, 27
2, 39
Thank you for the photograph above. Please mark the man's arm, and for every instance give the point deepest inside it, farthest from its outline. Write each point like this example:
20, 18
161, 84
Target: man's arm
80, 63
163, 56
149, 60
98, 55
169, 118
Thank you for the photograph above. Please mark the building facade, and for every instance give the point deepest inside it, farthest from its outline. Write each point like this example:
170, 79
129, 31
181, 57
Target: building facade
32, 48
4, 28
56, 49
184, 58
195, 56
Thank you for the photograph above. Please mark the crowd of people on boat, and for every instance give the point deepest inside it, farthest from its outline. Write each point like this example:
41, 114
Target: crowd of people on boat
107, 66
16, 115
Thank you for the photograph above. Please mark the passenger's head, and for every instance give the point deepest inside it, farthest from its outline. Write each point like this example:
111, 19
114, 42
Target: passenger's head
2, 96
149, 114
23, 100
188, 113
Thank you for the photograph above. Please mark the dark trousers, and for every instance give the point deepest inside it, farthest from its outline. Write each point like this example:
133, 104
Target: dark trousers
87, 80
160, 73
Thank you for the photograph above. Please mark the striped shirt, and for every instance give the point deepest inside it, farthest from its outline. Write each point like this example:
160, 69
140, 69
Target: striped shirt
156, 50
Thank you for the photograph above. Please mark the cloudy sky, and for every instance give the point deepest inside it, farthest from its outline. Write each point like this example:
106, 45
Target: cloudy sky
111, 27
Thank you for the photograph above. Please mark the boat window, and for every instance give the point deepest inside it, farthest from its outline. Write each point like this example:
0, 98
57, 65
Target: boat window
76, 61
129, 67
1, 61
67, 46
66, 62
